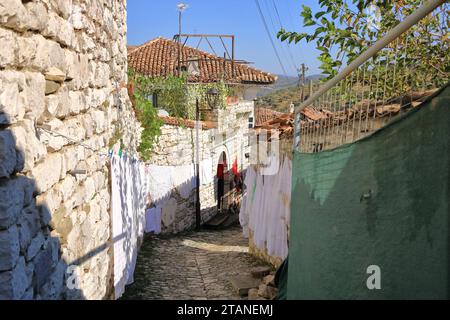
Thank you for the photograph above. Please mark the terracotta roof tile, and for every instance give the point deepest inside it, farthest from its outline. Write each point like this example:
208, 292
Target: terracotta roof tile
173, 121
281, 122
159, 57
263, 115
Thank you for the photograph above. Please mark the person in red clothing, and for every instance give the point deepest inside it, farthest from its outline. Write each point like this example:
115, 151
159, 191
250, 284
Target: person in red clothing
220, 182
237, 176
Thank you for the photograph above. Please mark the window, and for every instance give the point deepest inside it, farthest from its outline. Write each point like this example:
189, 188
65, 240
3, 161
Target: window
250, 122
154, 99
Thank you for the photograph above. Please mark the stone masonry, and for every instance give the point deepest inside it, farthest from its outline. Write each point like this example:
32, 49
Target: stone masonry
176, 146
63, 70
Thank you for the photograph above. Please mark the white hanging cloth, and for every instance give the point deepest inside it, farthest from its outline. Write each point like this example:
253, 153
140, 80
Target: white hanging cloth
128, 213
247, 200
159, 181
206, 171
153, 220
265, 208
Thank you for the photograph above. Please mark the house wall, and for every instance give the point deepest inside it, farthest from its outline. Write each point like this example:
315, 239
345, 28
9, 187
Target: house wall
233, 126
176, 147
62, 64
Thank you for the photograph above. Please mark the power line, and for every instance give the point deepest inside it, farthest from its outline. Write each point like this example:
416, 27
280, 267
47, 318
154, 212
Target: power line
270, 37
291, 19
277, 13
286, 45
274, 29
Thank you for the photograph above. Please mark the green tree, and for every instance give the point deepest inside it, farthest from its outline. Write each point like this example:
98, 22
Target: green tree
342, 30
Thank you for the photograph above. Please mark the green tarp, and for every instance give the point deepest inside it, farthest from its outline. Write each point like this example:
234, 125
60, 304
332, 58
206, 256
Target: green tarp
382, 201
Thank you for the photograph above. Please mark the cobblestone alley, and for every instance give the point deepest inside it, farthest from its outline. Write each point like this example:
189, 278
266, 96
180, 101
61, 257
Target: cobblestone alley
191, 266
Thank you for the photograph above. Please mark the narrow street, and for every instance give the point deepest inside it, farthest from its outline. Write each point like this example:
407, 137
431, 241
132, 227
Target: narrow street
191, 266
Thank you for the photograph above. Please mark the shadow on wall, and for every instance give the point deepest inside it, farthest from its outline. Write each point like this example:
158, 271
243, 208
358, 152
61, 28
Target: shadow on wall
31, 261
382, 201
31, 266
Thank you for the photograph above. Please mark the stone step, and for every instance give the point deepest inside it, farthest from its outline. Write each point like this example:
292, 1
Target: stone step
243, 283
259, 272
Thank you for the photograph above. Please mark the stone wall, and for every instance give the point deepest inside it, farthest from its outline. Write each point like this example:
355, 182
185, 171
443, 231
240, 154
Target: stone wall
176, 147
233, 121
63, 70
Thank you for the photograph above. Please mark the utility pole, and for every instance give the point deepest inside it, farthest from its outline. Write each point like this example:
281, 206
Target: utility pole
197, 167
302, 76
181, 7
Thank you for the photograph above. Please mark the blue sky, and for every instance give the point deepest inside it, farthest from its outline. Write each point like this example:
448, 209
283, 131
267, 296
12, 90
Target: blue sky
148, 19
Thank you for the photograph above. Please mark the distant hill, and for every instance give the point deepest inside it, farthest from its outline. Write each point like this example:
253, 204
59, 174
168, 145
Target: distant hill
284, 92
286, 82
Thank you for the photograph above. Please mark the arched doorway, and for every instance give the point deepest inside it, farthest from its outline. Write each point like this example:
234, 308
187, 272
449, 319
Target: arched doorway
222, 179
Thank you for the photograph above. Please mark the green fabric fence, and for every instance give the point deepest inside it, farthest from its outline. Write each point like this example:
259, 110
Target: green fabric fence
383, 201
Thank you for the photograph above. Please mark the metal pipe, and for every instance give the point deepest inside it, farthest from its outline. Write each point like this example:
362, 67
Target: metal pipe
232, 57
179, 43
197, 167
374, 49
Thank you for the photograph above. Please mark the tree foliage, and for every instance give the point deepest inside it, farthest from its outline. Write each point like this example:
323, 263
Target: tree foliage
174, 95
342, 30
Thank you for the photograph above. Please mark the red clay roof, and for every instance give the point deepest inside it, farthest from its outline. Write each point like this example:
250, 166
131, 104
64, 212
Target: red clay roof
159, 57
131, 48
173, 121
284, 124
263, 115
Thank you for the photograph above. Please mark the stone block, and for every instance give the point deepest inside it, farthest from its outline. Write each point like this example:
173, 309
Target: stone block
28, 295
51, 199
54, 286
27, 142
88, 124
259, 272
9, 248
37, 16
62, 7
9, 44
8, 154
54, 74
43, 266
243, 283
51, 87
14, 283
35, 246
66, 187
12, 97
57, 105
269, 280
45, 216
51, 136
48, 54
267, 292
54, 244
253, 294
59, 29
62, 223
77, 19
14, 193
48, 172
89, 189
14, 15
35, 90
70, 159
75, 129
